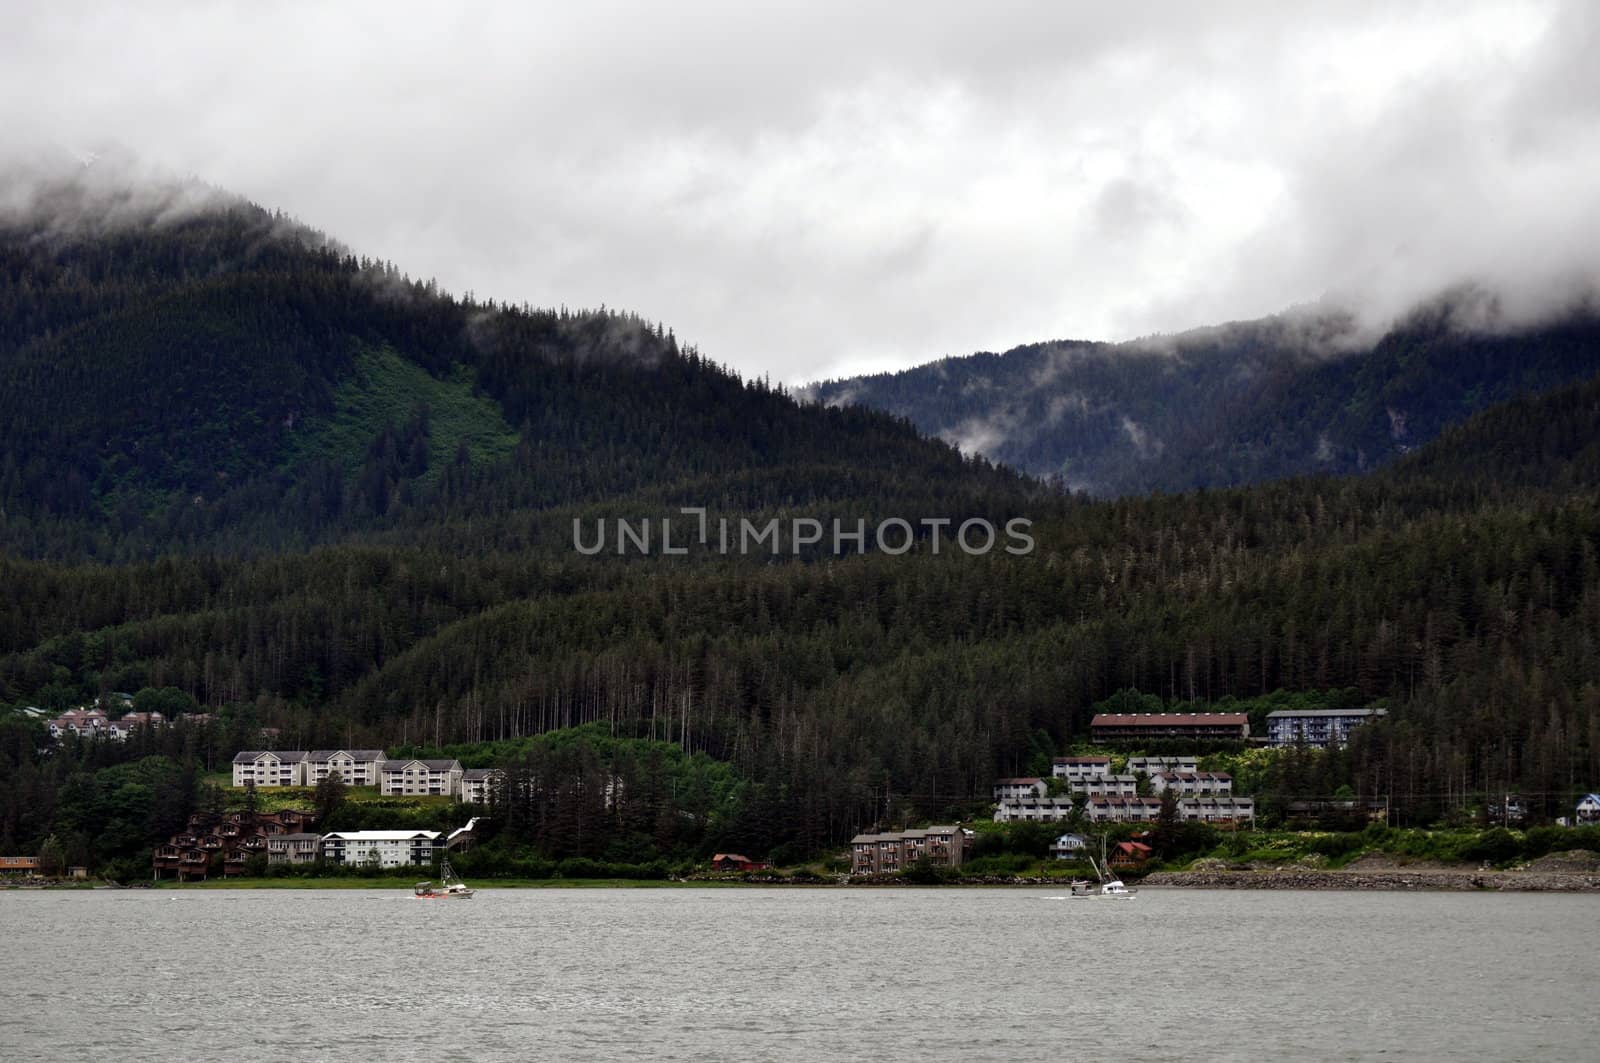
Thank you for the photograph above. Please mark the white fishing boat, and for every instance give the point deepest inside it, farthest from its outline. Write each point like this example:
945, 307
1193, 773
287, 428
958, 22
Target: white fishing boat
449, 887
1109, 885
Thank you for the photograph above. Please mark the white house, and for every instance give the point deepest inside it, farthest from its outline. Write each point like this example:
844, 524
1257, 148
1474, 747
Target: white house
426, 777
1152, 765
357, 767
1193, 783
270, 767
1080, 769
1588, 810
477, 784
122, 729
1017, 789
385, 848
1068, 846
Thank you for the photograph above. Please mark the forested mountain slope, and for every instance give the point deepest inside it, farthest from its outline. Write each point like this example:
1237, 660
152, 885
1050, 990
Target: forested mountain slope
180, 370
1291, 395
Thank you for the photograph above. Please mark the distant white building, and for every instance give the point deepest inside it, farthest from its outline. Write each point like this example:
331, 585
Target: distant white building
123, 729
1068, 846
1151, 765
270, 767
83, 722
357, 767
1110, 809
1193, 783
1318, 728
384, 848
1588, 810
1099, 785
1080, 769
1017, 789
1034, 810
1217, 809
477, 784
421, 778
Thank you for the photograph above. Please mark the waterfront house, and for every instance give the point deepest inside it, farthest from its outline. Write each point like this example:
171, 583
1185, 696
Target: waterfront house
357, 767
479, 784
1588, 810
19, 865
736, 862
1317, 728
1016, 789
1130, 855
270, 767
421, 777
1170, 726
294, 848
1152, 765
1080, 769
874, 854
1193, 783
381, 848
1068, 846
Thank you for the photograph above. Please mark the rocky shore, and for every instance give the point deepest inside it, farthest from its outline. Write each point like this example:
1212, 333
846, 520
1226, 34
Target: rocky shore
1400, 879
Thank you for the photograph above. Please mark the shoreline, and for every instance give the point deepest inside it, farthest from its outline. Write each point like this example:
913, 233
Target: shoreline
1434, 879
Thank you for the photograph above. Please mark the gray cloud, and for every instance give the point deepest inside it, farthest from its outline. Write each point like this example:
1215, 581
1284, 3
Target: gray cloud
810, 189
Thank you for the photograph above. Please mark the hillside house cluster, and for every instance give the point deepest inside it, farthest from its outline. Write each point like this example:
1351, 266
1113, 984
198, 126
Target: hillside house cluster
1193, 783
366, 767
192, 855
882, 854
90, 723
1113, 808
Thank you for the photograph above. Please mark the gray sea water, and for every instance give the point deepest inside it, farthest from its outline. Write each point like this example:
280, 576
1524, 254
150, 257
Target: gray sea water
756, 974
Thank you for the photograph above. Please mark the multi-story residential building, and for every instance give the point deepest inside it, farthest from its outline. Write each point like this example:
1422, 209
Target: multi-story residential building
1095, 786
1034, 810
479, 784
421, 777
270, 767
1151, 765
385, 848
1169, 726
294, 848
85, 722
1080, 769
1318, 728
1217, 809
231, 840
1122, 809
1016, 789
1588, 810
357, 767
1193, 783
880, 854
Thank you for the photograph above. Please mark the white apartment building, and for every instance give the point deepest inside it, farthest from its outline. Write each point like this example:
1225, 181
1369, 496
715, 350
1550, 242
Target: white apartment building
270, 767
1102, 785
420, 777
1217, 809
385, 848
1111, 809
477, 784
293, 848
1193, 783
1017, 789
1033, 810
357, 767
1080, 769
1152, 765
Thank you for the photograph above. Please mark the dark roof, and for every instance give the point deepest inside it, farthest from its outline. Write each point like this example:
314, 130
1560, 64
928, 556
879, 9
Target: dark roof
474, 774
1168, 719
396, 766
358, 754
248, 756
1081, 760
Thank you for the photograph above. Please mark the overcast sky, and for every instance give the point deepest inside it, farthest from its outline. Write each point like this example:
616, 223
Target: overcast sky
815, 189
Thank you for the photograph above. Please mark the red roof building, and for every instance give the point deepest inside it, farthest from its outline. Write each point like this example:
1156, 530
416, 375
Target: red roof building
1147, 726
